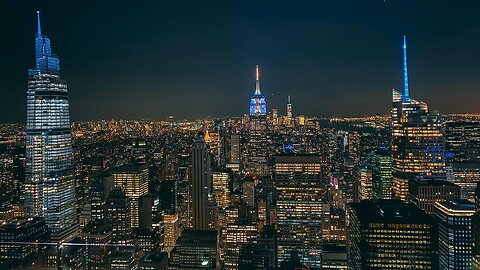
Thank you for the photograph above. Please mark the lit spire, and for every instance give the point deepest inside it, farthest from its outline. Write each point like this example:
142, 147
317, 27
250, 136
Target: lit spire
405, 94
39, 28
257, 86
289, 100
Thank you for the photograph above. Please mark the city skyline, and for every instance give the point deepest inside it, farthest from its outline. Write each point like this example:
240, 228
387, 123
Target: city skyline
315, 79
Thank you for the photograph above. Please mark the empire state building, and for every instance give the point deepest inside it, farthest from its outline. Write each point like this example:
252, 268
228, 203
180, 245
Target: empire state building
256, 159
49, 184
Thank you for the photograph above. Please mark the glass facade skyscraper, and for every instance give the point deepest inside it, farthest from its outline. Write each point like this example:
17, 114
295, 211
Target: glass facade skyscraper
49, 187
418, 142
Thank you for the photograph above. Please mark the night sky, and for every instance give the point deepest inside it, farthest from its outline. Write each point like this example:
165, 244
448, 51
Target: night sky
191, 59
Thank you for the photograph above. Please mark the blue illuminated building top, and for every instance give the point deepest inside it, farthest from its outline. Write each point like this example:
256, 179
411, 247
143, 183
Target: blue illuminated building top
45, 60
258, 104
405, 94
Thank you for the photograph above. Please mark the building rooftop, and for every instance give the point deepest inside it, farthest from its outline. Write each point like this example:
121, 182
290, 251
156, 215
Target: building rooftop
437, 183
135, 167
297, 158
197, 237
20, 222
389, 211
456, 206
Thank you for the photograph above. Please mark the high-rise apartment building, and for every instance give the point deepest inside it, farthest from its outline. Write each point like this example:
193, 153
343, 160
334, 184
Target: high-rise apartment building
298, 196
49, 183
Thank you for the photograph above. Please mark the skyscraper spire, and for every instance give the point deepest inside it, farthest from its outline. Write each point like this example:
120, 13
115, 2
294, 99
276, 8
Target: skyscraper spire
405, 94
257, 86
39, 27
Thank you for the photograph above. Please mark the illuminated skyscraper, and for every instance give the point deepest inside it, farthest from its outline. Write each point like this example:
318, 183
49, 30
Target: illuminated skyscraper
239, 229
382, 174
49, 185
476, 230
425, 193
289, 112
463, 140
389, 234
118, 215
365, 186
299, 207
221, 189
201, 185
133, 179
455, 233
194, 250
418, 143
258, 105
256, 159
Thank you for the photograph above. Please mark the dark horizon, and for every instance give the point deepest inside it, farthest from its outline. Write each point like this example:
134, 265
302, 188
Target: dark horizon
193, 60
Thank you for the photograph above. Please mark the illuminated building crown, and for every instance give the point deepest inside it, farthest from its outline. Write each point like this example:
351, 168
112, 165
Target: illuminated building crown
45, 60
258, 104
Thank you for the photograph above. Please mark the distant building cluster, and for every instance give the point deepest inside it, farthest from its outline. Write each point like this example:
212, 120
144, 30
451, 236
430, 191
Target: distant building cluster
261, 191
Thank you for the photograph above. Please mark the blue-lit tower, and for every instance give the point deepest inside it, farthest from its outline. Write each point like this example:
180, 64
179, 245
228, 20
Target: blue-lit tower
258, 105
405, 95
49, 185
256, 158
418, 143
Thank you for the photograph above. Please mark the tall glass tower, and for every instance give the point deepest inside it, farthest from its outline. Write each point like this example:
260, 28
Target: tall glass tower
49, 187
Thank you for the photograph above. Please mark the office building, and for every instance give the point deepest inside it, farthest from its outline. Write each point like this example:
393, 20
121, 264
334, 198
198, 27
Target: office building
418, 142
171, 231
97, 236
133, 179
466, 174
389, 234
221, 189
168, 196
21, 230
123, 260
382, 174
425, 193
365, 185
256, 156
201, 185
49, 183
194, 250
118, 215
100, 189
455, 234
298, 196
476, 230
463, 140
239, 229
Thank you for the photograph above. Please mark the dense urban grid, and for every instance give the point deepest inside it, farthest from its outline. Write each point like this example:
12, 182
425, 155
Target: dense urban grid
266, 190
